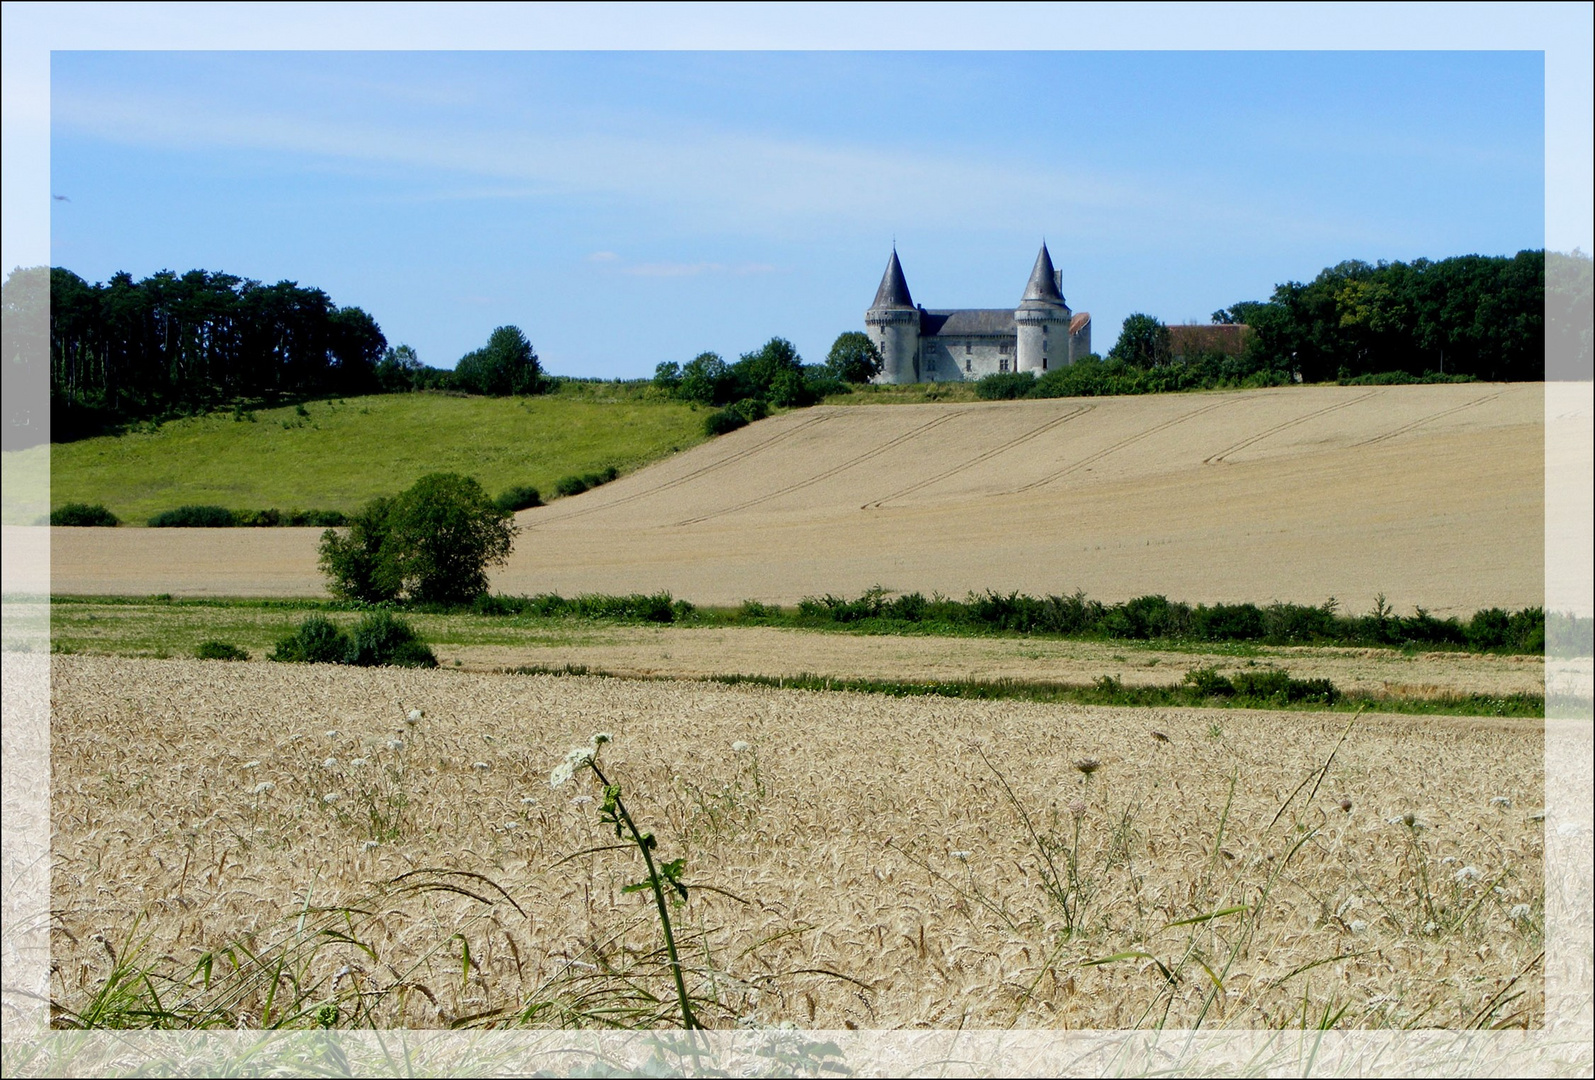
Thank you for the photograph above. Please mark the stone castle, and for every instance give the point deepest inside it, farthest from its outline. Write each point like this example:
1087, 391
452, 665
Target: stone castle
918, 345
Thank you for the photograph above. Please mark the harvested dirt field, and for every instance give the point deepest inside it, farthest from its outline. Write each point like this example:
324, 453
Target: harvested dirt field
1432, 495
884, 863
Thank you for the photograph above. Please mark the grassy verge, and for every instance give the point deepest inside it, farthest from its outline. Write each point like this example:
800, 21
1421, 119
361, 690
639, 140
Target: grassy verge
337, 454
178, 628
1106, 691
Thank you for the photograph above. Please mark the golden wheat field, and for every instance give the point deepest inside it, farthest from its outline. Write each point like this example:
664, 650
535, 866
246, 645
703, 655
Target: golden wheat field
272, 842
1432, 495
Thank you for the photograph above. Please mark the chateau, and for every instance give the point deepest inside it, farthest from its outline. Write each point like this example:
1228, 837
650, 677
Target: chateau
918, 345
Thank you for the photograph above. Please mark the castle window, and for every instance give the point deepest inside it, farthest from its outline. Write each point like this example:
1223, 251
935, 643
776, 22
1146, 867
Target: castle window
1002, 365
967, 348
1043, 363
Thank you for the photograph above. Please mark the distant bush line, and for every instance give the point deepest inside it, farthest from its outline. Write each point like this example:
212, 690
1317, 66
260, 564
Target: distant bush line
1145, 618
1093, 376
219, 517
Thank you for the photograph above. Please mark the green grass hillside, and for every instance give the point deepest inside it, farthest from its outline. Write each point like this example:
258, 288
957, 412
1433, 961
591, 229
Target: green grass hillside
345, 452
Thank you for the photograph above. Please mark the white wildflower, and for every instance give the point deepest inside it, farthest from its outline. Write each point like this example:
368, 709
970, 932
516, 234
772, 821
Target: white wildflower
343, 972
582, 800
1538, 815
480, 766
740, 747
395, 744
330, 763
333, 734
262, 787
1358, 926
357, 762
1468, 874
577, 758
331, 797
414, 717
962, 855
1519, 912
368, 845
1502, 801
251, 764
528, 801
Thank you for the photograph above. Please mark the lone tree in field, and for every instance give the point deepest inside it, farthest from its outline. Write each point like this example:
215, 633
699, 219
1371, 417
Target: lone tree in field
432, 544
505, 365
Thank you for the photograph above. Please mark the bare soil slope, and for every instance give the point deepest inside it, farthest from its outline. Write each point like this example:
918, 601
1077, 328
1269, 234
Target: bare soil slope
1432, 495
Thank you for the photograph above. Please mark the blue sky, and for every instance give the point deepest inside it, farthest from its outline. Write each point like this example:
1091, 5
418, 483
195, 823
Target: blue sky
626, 208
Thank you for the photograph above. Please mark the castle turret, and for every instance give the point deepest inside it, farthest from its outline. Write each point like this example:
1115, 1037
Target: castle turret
893, 325
1042, 320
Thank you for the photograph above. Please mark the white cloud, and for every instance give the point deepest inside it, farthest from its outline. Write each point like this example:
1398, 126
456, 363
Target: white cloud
712, 177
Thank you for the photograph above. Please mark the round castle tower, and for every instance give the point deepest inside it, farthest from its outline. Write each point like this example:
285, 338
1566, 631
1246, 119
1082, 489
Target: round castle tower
1042, 320
893, 325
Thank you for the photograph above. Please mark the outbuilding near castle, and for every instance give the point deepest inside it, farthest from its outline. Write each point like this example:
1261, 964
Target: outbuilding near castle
919, 345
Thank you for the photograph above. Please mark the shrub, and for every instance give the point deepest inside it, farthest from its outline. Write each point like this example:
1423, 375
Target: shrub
220, 650
520, 497
358, 564
317, 641
1209, 683
194, 517
791, 390
724, 421
1227, 622
571, 485
380, 639
266, 519
83, 515
1005, 386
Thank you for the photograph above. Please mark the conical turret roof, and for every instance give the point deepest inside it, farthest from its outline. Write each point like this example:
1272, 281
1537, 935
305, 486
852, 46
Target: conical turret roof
1043, 284
893, 292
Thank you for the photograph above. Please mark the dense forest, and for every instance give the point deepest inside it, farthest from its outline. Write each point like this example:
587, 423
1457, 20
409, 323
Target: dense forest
126, 350
1475, 315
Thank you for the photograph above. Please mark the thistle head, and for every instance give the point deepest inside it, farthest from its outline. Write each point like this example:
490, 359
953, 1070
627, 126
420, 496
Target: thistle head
1088, 765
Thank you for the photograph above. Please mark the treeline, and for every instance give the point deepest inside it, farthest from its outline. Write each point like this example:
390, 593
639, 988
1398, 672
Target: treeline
1157, 617
130, 350
1145, 618
1475, 315
772, 376
1093, 376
